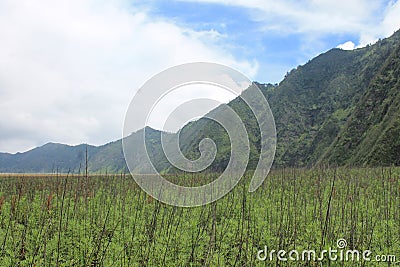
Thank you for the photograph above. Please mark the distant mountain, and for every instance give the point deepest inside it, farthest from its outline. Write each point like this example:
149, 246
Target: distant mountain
53, 157
341, 108
48, 158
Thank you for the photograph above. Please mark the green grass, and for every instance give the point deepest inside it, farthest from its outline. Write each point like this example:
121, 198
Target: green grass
60, 220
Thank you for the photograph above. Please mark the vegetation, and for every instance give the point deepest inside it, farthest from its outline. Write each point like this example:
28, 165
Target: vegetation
106, 220
371, 136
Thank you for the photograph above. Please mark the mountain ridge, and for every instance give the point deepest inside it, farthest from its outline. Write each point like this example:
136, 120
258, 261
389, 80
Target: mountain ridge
338, 109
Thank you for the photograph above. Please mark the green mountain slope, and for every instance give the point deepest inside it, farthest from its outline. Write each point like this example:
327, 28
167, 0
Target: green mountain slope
372, 133
313, 105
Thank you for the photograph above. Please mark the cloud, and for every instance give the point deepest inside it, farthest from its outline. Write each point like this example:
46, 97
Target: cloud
308, 16
388, 24
367, 19
349, 45
391, 22
69, 68
163, 111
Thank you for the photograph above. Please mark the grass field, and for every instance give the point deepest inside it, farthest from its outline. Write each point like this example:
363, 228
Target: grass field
106, 220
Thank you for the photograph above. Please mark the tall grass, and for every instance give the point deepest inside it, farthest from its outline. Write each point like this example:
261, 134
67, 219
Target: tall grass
107, 220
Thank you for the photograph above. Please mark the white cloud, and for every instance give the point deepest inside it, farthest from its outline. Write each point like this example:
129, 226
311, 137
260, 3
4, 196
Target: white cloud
388, 24
391, 22
68, 69
163, 111
369, 19
349, 45
308, 16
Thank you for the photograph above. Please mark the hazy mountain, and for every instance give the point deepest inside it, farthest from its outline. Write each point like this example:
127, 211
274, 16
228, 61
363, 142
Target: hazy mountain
48, 158
340, 108
53, 157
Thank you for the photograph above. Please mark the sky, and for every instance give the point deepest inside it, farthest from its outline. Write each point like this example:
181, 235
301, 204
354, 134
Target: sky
68, 69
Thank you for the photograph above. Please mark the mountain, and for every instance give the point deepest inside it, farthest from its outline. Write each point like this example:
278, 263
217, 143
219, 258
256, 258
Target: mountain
340, 108
317, 105
48, 158
54, 157
372, 131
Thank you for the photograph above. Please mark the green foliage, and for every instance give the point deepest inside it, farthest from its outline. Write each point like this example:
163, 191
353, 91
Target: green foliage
370, 136
60, 220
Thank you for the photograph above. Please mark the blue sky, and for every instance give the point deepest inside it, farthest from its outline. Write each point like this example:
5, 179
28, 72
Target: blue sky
239, 34
70, 68
279, 44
